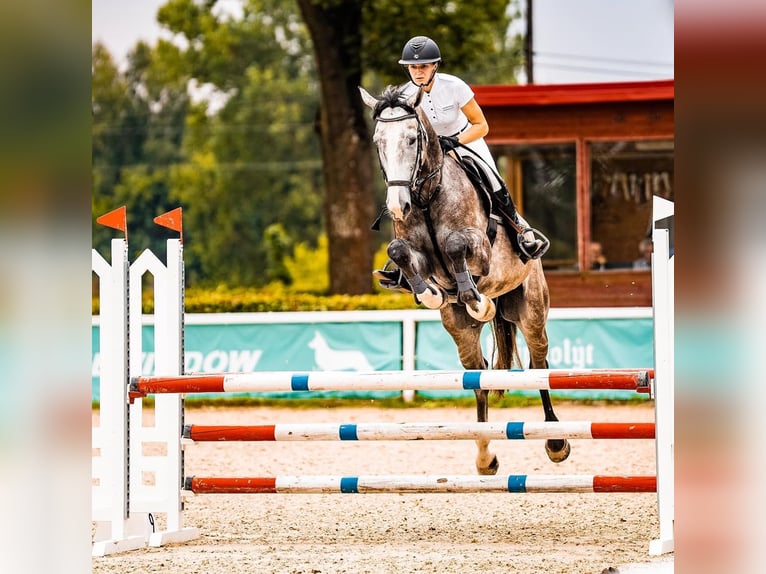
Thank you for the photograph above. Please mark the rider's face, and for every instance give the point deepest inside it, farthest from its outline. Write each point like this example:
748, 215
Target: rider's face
421, 73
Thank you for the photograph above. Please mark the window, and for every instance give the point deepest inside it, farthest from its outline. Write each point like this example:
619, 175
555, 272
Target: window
624, 177
542, 180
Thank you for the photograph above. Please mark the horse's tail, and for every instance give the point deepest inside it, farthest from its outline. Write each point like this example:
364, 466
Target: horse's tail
506, 351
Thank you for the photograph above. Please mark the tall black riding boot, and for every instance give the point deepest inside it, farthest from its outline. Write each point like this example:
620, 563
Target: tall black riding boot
529, 244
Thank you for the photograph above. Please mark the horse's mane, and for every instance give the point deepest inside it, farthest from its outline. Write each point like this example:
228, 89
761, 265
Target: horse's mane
392, 97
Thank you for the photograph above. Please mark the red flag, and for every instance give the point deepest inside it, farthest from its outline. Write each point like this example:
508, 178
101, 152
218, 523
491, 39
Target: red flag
116, 219
172, 220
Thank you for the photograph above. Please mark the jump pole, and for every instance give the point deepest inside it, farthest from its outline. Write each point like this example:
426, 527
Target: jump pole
283, 381
419, 431
420, 484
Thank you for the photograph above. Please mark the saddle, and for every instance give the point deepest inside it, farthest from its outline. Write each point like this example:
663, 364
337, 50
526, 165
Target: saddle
499, 206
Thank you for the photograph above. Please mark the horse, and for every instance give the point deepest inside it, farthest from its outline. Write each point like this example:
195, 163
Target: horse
442, 247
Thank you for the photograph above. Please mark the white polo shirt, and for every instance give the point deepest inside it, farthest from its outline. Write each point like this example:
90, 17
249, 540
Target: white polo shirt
443, 106
444, 102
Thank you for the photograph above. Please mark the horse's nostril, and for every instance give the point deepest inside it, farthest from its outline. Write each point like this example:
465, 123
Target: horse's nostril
406, 209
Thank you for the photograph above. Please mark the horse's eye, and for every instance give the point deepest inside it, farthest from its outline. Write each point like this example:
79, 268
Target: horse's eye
411, 140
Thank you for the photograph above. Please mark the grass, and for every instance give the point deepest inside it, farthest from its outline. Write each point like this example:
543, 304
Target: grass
419, 402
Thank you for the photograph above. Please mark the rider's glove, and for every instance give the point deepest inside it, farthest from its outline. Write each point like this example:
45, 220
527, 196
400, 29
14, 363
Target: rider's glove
448, 143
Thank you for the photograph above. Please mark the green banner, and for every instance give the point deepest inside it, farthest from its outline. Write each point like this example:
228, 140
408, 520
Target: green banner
364, 346
573, 344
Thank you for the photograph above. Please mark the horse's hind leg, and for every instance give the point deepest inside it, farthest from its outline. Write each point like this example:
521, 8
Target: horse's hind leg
486, 461
557, 449
529, 309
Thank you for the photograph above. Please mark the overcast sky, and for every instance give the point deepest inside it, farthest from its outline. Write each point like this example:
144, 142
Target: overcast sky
574, 40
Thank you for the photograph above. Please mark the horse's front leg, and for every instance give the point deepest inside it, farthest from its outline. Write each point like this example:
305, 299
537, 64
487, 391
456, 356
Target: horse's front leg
405, 257
466, 332
460, 247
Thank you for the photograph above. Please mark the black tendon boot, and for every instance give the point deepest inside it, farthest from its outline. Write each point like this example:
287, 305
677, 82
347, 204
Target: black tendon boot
532, 243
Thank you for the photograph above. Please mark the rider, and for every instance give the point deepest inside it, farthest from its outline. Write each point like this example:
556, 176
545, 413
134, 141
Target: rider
457, 118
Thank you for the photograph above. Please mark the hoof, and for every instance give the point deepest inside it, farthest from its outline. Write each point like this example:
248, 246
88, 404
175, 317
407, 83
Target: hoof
484, 311
559, 454
491, 468
430, 299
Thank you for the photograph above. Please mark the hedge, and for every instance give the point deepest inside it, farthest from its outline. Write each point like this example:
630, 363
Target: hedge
254, 300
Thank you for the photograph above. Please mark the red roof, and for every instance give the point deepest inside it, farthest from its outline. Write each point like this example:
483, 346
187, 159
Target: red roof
562, 94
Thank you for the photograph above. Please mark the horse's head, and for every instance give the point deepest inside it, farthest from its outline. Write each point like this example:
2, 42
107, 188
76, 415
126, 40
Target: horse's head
402, 141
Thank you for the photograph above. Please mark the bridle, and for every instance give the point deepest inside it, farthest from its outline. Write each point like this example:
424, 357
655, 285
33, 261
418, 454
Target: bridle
414, 184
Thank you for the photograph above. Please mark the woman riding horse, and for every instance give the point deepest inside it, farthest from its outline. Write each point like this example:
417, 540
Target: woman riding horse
460, 123
444, 251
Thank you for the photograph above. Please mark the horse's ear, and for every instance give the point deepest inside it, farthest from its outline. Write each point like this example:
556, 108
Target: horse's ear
370, 101
414, 100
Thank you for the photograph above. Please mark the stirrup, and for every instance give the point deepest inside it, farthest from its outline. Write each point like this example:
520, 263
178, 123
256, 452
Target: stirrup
392, 279
533, 248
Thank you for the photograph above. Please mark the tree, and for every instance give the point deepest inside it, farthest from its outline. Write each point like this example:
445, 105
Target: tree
346, 152
473, 36
252, 153
138, 124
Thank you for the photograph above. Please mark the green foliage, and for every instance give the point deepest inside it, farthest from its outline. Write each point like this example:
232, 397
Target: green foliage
244, 300
254, 163
277, 245
138, 124
308, 268
271, 300
472, 36
244, 161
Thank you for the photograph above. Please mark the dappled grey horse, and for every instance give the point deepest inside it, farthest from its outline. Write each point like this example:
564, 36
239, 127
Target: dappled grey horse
442, 247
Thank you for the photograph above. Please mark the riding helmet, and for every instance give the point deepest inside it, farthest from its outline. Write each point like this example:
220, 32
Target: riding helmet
420, 50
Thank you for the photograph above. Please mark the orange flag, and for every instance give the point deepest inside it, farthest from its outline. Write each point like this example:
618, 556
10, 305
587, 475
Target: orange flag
172, 220
116, 219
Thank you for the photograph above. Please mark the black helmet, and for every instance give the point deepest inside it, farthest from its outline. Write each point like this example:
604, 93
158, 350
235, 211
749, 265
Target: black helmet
420, 50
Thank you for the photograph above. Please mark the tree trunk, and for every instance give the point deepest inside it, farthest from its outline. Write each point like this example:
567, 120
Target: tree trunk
345, 139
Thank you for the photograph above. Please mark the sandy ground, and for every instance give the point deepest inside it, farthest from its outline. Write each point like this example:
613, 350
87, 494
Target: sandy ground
562, 533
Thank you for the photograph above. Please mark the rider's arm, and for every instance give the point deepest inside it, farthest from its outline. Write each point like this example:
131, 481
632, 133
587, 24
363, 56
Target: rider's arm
479, 126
